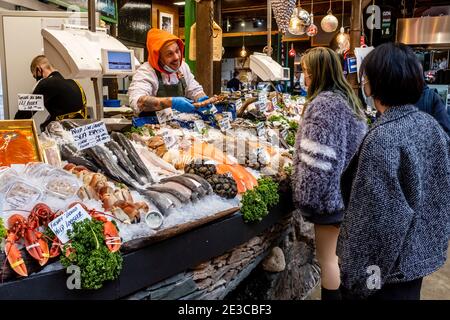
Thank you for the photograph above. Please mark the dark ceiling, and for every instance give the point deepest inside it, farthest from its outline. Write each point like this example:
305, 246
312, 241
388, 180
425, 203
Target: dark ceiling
251, 11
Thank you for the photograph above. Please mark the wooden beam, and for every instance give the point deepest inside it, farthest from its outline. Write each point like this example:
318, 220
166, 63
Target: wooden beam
355, 34
247, 34
204, 45
217, 65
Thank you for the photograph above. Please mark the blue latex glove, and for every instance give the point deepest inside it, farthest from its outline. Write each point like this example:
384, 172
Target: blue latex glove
205, 108
182, 104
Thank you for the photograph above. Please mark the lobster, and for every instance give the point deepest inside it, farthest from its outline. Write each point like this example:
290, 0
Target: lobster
16, 231
112, 238
27, 229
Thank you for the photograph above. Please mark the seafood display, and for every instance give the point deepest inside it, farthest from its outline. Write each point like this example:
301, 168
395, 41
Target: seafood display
117, 200
29, 230
142, 181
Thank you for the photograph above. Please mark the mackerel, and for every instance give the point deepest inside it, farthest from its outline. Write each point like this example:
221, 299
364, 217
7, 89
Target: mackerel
72, 157
111, 167
134, 157
123, 159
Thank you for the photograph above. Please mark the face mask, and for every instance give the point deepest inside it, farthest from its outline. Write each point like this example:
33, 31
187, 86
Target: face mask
38, 77
369, 100
302, 82
169, 69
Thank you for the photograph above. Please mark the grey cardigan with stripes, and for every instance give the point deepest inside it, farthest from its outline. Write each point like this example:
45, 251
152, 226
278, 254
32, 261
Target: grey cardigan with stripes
328, 137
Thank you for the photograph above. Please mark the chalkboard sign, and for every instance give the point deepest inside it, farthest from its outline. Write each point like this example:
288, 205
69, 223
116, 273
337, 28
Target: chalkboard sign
135, 18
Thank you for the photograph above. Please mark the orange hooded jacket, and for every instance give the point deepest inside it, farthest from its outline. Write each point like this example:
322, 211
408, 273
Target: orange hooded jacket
156, 39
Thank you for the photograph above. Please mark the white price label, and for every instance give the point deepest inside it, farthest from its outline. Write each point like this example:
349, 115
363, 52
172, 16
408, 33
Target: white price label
90, 135
164, 115
275, 102
31, 102
286, 96
274, 140
259, 126
62, 224
199, 126
261, 129
238, 104
284, 133
169, 139
248, 96
225, 124
262, 97
229, 115
213, 109
261, 106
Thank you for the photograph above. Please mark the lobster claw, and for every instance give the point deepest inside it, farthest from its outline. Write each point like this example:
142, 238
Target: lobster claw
36, 246
55, 248
14, 256
112, 238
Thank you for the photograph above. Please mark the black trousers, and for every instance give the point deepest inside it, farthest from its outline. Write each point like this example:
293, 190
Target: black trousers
409, 290
397, 291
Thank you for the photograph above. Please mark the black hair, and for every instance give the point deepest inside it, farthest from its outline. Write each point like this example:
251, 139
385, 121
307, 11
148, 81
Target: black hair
394, 74
235, 73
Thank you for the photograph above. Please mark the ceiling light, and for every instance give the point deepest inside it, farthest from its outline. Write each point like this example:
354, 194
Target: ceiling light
242, 24
243, 52
181, 3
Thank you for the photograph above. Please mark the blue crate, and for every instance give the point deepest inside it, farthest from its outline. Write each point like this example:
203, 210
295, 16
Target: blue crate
140, 121
111, 103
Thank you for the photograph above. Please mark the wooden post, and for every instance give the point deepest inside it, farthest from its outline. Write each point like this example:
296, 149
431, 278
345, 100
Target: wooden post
217, 65
355, 34
204, 45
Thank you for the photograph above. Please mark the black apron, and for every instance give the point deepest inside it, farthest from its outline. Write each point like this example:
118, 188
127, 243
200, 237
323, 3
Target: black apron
167, 90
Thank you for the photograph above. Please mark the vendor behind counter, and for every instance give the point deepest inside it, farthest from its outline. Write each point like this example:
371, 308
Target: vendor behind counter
63, 98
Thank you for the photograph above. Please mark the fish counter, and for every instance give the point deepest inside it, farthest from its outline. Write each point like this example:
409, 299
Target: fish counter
118, 208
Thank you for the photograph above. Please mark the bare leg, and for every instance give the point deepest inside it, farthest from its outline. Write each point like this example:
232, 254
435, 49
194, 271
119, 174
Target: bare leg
326, 241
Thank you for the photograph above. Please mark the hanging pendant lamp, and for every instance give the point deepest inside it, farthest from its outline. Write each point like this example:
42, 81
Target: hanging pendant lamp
312, 30
329, 23
243, 52
342, 39
292, 52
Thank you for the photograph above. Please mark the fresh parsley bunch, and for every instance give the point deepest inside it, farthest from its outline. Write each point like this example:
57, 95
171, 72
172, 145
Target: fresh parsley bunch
3, 231
90, 253
268, 189
254, 208
255, 203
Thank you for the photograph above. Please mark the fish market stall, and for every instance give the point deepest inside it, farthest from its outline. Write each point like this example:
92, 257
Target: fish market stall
133, 199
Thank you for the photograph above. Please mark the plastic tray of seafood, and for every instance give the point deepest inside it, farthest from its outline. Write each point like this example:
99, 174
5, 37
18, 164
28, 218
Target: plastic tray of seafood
20, 194
18, 142
62, 185
7, 176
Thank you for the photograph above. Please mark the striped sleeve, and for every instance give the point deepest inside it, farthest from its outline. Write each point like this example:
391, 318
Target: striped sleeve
318, 164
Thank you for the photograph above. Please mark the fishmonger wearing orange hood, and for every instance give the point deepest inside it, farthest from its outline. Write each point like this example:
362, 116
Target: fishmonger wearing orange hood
165, 81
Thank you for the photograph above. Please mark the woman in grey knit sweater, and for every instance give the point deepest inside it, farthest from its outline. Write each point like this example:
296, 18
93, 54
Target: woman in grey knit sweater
329, 135
397, 217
